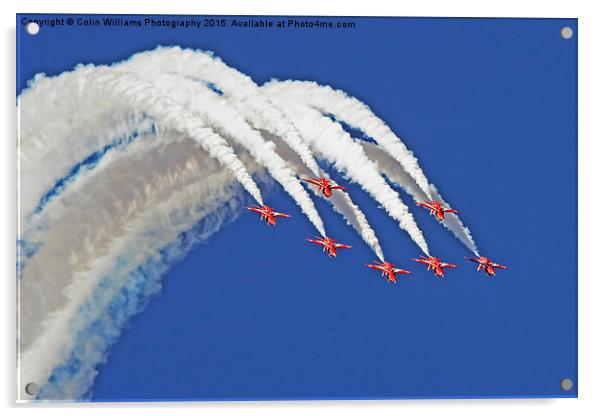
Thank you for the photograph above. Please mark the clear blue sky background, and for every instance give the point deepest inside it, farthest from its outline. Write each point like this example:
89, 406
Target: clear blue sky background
489, 107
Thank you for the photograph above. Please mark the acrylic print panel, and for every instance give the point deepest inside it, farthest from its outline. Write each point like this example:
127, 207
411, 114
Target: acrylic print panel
151, 266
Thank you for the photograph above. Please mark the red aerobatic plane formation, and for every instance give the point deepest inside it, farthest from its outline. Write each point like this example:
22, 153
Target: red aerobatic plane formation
330, 245
267, 214
436, 209
486, 265
435, 264
324, 186
388, 269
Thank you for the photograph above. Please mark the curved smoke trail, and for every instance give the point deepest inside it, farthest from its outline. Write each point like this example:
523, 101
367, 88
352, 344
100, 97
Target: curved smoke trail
390, 152
142, 94
356, 114
395, 173
229, 123
341, 201
205, 66
123, 169
335, 144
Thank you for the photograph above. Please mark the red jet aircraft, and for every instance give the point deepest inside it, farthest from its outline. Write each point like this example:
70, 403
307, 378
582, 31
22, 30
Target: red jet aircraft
388, 269
324, 185
267, 213
486, 265
329, 244
435, 264
437, 209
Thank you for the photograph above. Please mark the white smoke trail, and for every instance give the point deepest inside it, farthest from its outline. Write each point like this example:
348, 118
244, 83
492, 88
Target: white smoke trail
356, 114
112, 171
229, 123
109, 232
87, 80
55, 133
335, 144
340, 201
61, 226
205, 66
134, 137
46, 347
343, 204
143, 94
395, 173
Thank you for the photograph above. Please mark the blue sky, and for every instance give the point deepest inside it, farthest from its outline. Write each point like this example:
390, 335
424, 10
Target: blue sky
489, 108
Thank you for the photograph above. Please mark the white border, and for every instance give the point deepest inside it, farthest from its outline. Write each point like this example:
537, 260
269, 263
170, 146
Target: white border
590, 139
